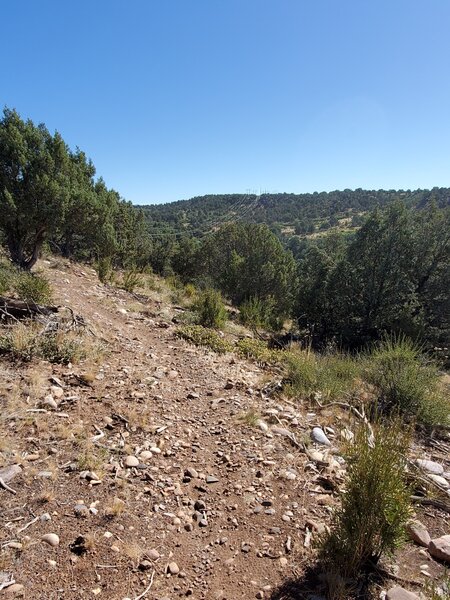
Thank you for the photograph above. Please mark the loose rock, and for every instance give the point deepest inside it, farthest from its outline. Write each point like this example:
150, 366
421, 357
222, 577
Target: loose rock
51, 539
418, 533
440, 548
399, 593
318, 435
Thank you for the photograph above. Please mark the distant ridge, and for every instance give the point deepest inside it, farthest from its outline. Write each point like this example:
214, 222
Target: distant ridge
203, 213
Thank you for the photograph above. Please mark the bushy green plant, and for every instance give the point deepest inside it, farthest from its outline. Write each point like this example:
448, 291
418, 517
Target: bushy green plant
375, 504
7, 277
405, 381
131, 280
254, 313
302, 372
338, 374
202, 336
190, 290
32, 288
258, 350
104, 269
59, 348
210, 309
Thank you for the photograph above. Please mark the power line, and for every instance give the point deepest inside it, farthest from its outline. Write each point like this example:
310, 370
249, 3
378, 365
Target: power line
237, 211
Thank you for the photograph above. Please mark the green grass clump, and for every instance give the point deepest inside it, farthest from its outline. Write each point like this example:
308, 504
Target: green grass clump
374, 506
332, 374
202, 336
256, 312
406, 382
24, 285
20, 342
210, 309
258, 350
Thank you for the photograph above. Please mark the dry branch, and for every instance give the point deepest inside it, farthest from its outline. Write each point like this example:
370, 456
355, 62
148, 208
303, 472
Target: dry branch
11, 308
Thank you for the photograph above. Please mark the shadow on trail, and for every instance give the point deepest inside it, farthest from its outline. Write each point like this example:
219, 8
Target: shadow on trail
311, 586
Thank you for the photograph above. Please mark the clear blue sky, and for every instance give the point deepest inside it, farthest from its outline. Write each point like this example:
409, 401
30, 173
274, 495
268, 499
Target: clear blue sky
176, 98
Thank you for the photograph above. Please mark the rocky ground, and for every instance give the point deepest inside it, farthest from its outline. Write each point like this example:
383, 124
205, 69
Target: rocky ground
165, 471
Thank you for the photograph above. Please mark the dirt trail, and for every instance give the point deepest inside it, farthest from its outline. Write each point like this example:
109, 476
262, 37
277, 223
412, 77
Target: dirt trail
233, 527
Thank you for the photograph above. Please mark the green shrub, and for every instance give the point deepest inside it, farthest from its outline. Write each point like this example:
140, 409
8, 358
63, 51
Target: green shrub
131, 280
202, 336
257, 312
374, 506
406, 382
60, 348
104, 269
210, 309
338, 374
190, 290
32, 288
252, 313
8, 275
302, 371
259, 351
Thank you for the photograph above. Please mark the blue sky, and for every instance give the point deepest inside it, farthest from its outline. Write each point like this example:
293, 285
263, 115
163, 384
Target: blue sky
176, 98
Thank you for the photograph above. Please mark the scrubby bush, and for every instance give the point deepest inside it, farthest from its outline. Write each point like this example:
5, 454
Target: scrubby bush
131, 280
7, 277
254, 313
190, 290
210, 309
104, 269
60, 348
258, 350
32, 288
202, 336
374, 506
406, 381
25, 341
20, 341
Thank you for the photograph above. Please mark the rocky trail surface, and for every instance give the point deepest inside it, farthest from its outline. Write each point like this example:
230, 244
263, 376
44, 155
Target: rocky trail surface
162, 472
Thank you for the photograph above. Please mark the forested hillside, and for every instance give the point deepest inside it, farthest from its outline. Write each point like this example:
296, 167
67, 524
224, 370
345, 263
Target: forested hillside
340, 268
306, 213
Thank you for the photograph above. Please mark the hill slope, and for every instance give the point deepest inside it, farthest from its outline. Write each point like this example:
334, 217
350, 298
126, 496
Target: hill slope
203, 213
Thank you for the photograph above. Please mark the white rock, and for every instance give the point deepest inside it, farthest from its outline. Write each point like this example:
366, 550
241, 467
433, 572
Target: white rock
173, 568
51, 539
439, 480
262, 425
430, 466
131, 461
319, 436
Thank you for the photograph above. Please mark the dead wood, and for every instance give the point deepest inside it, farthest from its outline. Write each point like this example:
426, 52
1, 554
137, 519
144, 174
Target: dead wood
12, 309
